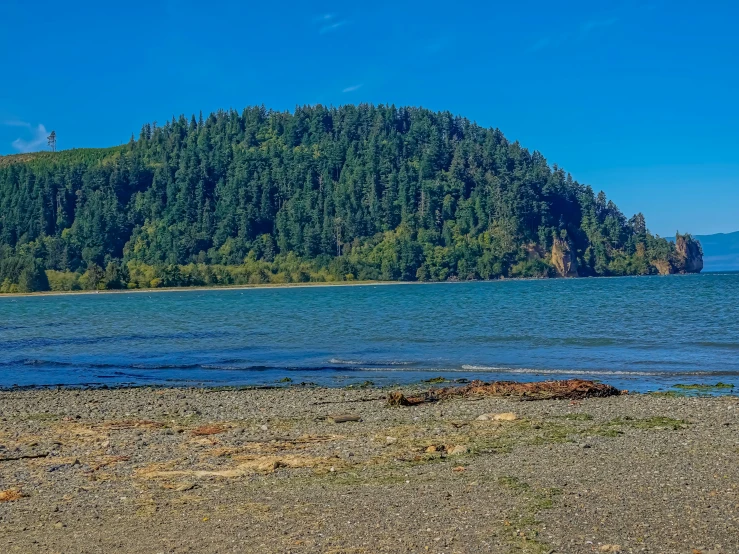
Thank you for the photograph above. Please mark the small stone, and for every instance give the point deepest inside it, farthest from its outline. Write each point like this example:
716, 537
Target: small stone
264, 427
59, 525
391, 440
610, 548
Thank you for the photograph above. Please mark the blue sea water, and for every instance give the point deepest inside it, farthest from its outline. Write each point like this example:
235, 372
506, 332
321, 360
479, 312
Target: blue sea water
640, 333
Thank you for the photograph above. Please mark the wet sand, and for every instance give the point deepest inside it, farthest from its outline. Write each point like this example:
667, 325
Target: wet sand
206, 470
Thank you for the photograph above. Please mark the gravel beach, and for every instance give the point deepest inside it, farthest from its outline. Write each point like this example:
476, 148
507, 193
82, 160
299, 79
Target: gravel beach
208, 470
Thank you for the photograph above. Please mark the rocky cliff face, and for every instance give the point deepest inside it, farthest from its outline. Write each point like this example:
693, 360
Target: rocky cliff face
563, 258
663, 267
688, 255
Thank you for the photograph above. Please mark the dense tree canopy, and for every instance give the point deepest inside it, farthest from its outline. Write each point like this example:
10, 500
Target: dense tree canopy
356, 192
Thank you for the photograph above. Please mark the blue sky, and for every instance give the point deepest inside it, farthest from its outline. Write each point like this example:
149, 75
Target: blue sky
635, 97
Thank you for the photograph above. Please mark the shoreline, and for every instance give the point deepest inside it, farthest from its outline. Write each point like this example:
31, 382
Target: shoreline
215, 288
676, 390
327, 284
244, 287
339, 470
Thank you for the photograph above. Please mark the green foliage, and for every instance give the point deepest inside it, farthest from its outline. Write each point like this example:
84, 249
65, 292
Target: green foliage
22, 274
322, 194
63, 280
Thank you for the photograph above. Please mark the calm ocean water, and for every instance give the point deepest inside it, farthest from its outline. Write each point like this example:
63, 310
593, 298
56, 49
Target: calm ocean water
638, 333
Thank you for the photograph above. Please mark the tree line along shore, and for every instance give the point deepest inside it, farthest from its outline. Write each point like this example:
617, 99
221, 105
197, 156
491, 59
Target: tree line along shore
318, 195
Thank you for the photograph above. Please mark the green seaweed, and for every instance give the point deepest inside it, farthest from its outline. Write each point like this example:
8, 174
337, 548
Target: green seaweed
364, 385
704, 386
670, 394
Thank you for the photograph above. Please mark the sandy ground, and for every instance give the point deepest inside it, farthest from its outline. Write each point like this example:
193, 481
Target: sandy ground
199, 470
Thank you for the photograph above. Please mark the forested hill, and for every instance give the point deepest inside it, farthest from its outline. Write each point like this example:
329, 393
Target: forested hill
322, 194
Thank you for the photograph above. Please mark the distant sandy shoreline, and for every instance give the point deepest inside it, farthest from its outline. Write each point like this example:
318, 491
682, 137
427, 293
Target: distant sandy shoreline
323, 284
227, 287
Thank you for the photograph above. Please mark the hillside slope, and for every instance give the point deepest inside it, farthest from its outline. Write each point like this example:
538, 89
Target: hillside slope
356, 192
721, 251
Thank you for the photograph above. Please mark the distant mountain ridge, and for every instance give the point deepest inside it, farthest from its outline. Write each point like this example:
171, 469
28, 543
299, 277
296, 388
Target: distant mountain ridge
720, 251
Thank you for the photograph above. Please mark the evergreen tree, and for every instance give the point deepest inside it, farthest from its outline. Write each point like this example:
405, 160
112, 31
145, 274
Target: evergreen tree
371, 192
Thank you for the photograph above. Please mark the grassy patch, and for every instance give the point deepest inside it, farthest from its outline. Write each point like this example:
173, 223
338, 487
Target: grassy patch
604, 431
575, 417
521, 528
657, 422
614, 427
513, 483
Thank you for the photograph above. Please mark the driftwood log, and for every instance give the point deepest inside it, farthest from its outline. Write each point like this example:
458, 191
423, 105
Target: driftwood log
569, 389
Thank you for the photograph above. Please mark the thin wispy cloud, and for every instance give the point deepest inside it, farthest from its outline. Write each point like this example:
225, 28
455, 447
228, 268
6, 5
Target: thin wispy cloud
587, 28
16, 123
39, 136
332, 26
324, 17
352, 88
593, 24
328, 22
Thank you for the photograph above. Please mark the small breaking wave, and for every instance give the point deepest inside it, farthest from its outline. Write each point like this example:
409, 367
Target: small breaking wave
339, 361
599, 372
